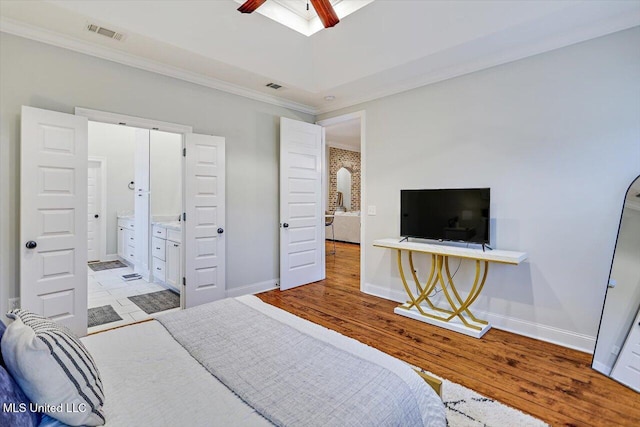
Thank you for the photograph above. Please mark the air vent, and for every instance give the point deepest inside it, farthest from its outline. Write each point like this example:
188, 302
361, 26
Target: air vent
274, 86
105, 32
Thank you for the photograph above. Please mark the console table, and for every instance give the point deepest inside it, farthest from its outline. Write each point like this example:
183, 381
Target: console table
457, 317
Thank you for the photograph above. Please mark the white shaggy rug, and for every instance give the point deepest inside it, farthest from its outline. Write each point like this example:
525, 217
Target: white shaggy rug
466, 408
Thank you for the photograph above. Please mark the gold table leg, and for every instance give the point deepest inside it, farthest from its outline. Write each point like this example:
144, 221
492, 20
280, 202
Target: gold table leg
439, 269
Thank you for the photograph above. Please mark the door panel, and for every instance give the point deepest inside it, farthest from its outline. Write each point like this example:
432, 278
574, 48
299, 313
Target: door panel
301, 213
142, 204
627, 367
53, 212
94, 207
204, 225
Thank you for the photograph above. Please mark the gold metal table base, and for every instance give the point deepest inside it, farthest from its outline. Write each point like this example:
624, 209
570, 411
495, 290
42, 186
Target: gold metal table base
457, 317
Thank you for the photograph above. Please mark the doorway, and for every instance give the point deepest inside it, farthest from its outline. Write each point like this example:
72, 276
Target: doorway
141, 209
343, 184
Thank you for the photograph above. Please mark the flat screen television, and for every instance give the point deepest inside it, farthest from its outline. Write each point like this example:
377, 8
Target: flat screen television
460, 214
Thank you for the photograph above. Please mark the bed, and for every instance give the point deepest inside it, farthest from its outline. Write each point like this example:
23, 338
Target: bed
346, 226
283, 370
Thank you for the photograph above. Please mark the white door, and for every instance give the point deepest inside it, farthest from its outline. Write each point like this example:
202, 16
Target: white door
204, 243
53, 213
627, 367
94, 210
142, 204
301, 215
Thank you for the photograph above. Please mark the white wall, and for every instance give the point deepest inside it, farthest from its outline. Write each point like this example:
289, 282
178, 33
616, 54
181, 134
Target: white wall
52, 78
165, 158
116, 145
557, 138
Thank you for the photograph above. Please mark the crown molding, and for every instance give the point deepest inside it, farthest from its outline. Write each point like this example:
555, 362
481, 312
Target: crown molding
577, 35
56, 39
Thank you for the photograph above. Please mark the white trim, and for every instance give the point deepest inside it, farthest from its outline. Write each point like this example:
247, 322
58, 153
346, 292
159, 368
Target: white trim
537, 331
253, 288
584, 33
362, 115
383, 292
132, 121
344, 146
103, 203
56, 39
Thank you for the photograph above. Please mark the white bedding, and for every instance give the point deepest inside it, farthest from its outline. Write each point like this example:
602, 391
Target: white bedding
346, 227
150, 379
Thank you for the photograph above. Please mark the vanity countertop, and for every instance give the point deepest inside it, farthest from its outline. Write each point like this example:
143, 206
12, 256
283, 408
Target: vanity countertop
172, 225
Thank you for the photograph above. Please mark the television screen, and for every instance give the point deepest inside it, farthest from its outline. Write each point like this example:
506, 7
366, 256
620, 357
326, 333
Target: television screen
446, 214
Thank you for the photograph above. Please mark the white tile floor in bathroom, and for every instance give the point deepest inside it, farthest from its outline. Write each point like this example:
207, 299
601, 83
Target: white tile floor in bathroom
106, 287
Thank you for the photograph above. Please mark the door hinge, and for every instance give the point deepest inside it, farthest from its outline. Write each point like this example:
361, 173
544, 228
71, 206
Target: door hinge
184, 152
184, 281
184, 216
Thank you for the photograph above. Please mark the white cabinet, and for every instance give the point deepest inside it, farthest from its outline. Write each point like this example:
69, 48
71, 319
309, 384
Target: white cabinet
172, 264
121, 243
126, 240
166, 248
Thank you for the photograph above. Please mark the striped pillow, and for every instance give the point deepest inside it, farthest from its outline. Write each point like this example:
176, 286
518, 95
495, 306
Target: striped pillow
54, 369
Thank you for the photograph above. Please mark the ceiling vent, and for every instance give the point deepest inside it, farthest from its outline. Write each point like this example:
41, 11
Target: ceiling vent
274, 86
105, 32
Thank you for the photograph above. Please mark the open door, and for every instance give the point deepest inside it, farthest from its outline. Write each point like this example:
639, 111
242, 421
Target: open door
301, 213
204, 223
53, 216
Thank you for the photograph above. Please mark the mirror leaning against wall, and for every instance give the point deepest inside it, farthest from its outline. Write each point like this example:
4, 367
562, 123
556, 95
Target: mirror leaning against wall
618, 344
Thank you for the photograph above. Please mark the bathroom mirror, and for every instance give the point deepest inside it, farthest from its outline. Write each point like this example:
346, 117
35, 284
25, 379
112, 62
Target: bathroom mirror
619, 330
344, 187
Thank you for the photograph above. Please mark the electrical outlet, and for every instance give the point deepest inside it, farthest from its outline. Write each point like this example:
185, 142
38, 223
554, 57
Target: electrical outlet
14, 303
615, 350
371, 210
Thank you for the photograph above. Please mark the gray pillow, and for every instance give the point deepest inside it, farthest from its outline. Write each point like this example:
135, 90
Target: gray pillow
54, 369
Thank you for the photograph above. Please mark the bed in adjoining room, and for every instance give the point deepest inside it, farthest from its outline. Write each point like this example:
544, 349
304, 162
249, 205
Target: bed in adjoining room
235, 362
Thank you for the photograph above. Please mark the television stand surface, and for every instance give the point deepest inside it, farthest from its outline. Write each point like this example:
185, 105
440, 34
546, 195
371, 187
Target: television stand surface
458, 316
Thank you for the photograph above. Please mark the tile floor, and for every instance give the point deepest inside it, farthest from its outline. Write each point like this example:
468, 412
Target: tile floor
107, 287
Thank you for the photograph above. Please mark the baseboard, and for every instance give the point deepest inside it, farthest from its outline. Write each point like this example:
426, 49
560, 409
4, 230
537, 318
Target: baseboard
386, 293
562, 337
112, 257
253, 288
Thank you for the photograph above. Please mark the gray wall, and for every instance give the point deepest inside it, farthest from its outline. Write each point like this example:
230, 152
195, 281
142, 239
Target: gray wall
43, 76
557, 138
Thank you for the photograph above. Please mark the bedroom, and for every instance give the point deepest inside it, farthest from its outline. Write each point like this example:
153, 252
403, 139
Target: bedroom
577, 146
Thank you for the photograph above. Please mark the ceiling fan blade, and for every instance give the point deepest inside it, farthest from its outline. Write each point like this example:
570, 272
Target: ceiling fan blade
325, 12
250, 5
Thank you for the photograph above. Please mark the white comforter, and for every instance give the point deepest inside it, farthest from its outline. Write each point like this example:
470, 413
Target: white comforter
150, 379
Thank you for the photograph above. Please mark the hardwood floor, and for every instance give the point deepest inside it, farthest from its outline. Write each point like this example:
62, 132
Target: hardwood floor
550, 382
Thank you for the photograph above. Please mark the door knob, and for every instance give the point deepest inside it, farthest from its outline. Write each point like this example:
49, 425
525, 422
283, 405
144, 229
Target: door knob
220, 230
96, 216
285, 225
31, 244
